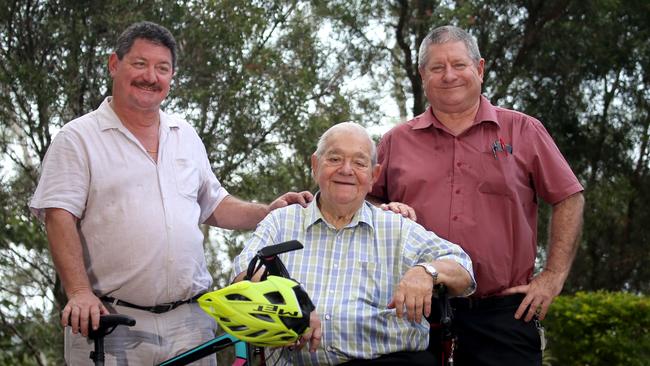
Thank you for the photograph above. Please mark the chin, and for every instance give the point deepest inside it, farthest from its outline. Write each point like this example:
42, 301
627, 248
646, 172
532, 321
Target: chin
347, 200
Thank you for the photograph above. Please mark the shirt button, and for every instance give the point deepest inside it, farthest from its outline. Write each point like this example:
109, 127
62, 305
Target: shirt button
455, 218
459, 164
328, 317
457, 191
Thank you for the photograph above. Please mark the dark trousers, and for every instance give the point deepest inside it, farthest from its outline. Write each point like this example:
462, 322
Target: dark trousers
422, 358
489, 335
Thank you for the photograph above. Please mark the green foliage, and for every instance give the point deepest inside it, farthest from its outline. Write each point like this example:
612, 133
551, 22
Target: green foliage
599, 328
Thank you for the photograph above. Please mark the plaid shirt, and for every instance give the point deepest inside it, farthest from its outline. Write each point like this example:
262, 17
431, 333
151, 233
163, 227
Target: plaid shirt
350, 275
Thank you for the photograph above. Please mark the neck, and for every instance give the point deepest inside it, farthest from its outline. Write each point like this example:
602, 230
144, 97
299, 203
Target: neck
457, 122
135, 116
338, 215
138, 122
143, 125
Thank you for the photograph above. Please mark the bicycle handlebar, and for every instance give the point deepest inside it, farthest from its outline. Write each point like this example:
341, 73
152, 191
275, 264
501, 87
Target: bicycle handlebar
268, 257
107, 324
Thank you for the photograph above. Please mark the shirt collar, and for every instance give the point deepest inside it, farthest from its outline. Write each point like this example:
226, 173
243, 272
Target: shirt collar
314, 215
109, 119
486, 113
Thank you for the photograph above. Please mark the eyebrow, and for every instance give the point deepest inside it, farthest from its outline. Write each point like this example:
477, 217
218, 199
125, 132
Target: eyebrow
142, 58
355, 155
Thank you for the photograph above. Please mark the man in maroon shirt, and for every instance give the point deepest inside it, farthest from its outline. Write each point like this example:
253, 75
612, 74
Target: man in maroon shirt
472, 172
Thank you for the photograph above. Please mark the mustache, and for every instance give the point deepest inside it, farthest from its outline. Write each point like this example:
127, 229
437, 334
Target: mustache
144, 84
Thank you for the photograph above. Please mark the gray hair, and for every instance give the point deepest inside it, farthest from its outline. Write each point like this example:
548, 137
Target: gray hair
149, 31
341, 127
445, 34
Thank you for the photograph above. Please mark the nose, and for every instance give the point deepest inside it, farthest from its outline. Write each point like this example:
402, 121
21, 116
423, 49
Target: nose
346, 167
449, 73
149, 75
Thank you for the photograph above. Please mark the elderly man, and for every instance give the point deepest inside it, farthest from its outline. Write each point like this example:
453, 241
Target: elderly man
122, 192
473, 173
369, 272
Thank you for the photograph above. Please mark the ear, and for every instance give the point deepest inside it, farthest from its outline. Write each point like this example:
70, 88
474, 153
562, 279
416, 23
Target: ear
481, 68
314, 166
113, 60
376, 170
421, 71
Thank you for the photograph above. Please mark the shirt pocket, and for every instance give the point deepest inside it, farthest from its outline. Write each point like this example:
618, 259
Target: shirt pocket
497, 176
187, 178
366, 285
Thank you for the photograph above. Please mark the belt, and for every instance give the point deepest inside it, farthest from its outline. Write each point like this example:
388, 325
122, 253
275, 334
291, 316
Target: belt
493, 302
158, 309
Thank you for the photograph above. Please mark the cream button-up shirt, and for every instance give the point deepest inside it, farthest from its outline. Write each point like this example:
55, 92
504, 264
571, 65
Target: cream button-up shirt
138, 218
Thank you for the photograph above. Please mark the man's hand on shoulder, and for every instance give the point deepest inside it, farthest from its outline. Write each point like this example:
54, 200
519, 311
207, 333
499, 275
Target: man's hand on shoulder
83, 309
400, 208
302, 198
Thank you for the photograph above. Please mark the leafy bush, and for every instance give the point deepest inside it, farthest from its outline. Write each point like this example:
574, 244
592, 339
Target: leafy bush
599, 328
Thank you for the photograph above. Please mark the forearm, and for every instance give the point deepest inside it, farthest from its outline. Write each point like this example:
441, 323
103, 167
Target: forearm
235, 214
65, 247
566, 226
453, 276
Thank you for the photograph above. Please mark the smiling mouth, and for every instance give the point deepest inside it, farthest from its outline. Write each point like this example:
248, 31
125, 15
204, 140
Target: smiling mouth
451, 87
147, 87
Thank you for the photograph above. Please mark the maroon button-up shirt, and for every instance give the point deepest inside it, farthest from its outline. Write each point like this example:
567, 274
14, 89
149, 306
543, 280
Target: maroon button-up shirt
478, 189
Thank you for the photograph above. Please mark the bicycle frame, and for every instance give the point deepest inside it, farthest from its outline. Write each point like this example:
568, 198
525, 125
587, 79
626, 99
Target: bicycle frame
242, 353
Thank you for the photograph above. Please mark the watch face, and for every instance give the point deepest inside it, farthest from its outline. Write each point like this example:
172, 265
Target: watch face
430, 269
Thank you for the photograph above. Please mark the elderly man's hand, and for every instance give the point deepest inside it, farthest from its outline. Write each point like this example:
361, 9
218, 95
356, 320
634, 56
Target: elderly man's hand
83, 309
400, 208
312, 336
414, 293
302, 198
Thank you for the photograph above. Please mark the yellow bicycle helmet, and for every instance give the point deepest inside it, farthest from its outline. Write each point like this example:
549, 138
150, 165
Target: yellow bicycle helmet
269, 313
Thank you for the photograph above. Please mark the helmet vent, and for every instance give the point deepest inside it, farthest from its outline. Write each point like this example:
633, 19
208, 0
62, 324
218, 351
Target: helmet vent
275, 298
257, 334
237, 297
264, 317
238, 328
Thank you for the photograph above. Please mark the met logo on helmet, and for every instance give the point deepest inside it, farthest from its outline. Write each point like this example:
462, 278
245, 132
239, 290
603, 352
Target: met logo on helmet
274, 309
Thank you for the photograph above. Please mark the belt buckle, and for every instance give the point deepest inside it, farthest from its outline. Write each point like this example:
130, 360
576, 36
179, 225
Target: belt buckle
162, 308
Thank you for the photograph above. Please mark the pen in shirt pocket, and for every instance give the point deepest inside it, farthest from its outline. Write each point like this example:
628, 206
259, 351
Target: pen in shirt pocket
500, 146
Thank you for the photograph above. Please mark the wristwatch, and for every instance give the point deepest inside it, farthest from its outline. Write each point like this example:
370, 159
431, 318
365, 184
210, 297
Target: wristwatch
430, 270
